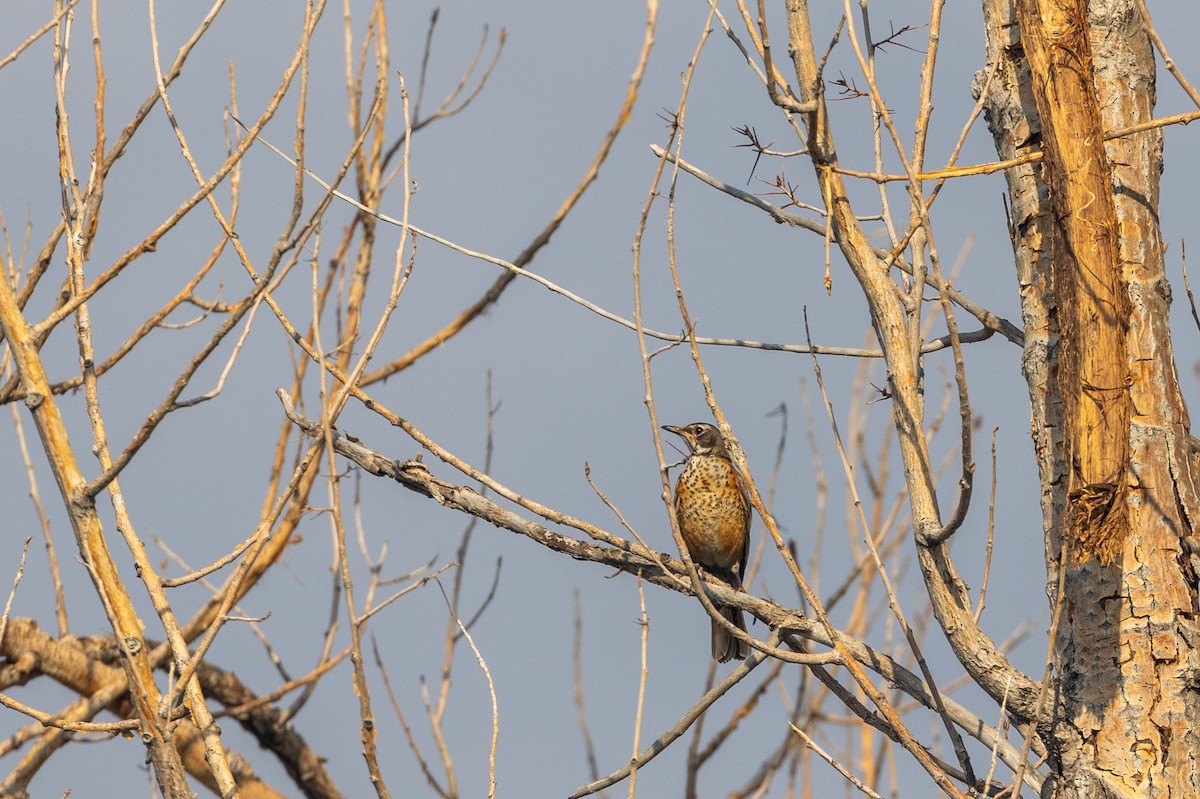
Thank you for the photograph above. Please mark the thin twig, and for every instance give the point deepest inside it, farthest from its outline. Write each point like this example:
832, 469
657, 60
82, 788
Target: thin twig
408, 734
679, 728
199, 574
643, 679
987, 558
39, 33
589, 747
833, 761
60, 600
51, 720
291, 685
994, 760
1187, 285
13, 593
1168, 62
491, 692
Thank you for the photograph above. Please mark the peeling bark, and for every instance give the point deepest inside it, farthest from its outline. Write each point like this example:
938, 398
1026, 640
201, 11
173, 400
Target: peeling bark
1109, 422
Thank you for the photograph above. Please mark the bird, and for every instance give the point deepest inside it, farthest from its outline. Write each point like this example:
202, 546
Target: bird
713, 509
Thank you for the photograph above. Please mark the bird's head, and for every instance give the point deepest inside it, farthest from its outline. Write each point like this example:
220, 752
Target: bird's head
702, 438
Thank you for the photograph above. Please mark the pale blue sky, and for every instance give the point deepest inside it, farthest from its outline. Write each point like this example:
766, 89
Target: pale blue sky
568, 383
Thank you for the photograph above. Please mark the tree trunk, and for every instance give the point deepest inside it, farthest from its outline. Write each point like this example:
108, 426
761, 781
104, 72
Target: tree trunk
1117, 466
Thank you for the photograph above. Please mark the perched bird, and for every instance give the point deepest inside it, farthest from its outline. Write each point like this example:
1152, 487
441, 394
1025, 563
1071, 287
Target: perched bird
714, 519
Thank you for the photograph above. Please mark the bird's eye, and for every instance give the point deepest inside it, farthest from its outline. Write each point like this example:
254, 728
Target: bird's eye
697, 429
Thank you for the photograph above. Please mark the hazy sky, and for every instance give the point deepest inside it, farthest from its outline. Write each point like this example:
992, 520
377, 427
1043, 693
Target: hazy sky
567, 383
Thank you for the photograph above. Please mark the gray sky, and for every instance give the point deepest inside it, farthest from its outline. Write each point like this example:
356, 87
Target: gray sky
568, 383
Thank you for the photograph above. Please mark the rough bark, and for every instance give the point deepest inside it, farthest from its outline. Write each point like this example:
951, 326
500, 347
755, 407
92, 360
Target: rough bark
1110, 424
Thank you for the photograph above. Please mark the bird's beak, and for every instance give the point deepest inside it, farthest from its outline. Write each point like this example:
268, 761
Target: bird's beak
670, 429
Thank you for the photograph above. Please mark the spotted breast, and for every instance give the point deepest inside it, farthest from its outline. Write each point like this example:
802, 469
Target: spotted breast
714, 520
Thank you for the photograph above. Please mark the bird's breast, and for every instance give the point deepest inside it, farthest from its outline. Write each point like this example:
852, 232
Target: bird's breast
714, 514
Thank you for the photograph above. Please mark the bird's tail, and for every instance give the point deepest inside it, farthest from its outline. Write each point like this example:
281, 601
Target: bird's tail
725, 646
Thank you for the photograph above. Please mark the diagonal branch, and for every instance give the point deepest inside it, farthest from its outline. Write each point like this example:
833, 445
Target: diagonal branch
951, 602
632, 558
